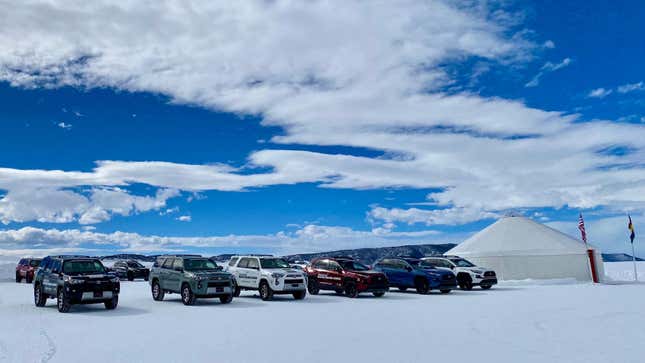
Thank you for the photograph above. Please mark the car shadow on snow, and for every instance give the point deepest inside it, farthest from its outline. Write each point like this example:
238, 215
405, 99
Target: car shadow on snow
99, 310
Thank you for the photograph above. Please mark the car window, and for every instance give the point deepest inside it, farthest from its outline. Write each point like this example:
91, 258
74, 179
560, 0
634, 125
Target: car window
22, 262
179, 263
233, 261
428, 263
168, 263
56, 267
334, 266
253, 263
46, 264
34, 263
322, 264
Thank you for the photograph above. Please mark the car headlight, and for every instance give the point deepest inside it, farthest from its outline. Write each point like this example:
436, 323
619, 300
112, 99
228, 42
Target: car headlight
114, 279
72, 280
277, 275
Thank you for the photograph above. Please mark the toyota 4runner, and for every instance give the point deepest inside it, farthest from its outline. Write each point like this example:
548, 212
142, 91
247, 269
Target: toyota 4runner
192, 276
75, 280
268, 275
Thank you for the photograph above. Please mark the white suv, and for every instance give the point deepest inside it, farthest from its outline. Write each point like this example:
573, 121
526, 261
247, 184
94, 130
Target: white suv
468, 275
268, 275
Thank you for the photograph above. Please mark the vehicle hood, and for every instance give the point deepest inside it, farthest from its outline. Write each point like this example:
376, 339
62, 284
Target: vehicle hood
439, 271
285, 270
212, 274
368, 273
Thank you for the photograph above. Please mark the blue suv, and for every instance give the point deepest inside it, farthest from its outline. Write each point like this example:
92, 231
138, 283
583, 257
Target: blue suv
405, 272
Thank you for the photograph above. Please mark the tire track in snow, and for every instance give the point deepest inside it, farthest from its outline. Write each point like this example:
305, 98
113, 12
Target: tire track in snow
51, 352
4, 352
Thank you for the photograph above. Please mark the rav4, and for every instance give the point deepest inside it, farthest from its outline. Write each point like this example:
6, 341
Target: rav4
130, 270
26, 269
192, 276
75, 280
405, 273
268, 275
345, 276
468, 275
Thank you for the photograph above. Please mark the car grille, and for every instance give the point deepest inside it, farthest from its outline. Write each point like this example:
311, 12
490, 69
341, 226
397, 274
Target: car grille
294, 281
218, 283
489, 273
448, 277
90, 286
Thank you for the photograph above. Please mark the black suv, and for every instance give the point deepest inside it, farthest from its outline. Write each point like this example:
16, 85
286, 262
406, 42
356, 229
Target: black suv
130, 270
75, 280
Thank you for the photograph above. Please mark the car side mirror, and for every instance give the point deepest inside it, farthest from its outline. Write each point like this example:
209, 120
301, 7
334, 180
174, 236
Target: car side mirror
408, 268
179, 269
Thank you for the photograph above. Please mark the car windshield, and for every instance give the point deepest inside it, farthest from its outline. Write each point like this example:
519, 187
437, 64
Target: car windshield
426, 264
199, 264
413, 263
82, 267
134, 264
460, 262
353, 266
274, 263
34, 263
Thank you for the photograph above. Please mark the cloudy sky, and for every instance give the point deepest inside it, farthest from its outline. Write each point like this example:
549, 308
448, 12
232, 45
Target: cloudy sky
296, 126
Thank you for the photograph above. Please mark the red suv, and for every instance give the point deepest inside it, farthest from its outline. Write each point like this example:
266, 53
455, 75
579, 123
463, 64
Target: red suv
26, 269
345, 276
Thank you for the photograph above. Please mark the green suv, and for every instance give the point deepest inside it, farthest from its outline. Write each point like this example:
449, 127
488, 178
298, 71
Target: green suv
192, 276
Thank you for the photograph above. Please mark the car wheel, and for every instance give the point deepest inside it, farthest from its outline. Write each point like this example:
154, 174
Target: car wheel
112, 303
39, 296
130, 276
403, 288
486, 287
236, 289
157, 292
18, 278
351, 290
445, 291
265, 291
62, 302
226, 299
187, 296
313, 286
378, 294
299, 295
465, 282
422, 286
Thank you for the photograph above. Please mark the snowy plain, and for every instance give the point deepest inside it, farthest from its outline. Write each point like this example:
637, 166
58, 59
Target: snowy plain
514, 322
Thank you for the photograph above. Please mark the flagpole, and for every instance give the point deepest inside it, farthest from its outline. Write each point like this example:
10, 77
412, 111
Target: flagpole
634, 261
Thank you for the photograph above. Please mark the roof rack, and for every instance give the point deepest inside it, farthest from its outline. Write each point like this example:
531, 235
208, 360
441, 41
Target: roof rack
180, 255
341, 257
72, 256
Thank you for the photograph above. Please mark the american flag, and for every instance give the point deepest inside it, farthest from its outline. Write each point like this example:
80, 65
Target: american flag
581, 227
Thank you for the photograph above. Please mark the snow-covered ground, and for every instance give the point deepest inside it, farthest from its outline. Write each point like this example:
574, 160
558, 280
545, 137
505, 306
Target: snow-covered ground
510, 323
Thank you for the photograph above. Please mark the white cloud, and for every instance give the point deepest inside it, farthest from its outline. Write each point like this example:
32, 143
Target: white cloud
448, 216
549, 44
361, 74
547, 68
626, 88
310, 238
184, 218
599, 93
65, 126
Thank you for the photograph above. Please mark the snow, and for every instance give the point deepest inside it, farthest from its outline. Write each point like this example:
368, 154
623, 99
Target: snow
513, 322
624, 271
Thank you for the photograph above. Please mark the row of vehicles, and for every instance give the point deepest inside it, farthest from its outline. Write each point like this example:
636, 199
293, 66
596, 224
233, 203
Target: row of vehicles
85, 280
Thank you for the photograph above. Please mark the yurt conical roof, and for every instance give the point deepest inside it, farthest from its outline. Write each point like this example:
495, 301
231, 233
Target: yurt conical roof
518, 236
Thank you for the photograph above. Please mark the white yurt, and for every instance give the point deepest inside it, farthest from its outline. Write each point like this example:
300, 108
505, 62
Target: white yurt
519, 248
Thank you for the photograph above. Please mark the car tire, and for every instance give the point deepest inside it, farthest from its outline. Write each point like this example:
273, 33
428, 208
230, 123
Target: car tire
313, 286
445, 291
486, 287
350, 290
299, 295
130, 276
226, 299
422, 286
465, 282
402, 289
236, 289
378, 294
157, 292
62, 302
339, 292
40, 299
187, 295
265, 291
18, 278
112, 303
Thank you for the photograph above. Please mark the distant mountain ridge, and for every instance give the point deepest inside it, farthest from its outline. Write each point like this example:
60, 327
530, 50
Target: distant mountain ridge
618, 257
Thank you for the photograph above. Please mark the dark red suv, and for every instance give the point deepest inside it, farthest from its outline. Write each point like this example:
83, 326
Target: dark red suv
26, 269
345, 276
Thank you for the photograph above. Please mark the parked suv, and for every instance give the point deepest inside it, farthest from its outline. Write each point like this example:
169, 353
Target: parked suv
192, 276
26, 269
345, 276
130, 269
268, 275
468, 275
406, 272
75, 280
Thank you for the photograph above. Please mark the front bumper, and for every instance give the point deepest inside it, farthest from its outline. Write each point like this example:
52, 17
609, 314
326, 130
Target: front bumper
374, 285
486, 281
212, 288
92, 293
288, 284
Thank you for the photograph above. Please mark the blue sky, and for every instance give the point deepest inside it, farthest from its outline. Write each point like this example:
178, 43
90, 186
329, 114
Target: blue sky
283, 127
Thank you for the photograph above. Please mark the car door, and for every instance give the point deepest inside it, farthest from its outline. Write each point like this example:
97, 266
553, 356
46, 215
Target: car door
387, 267
323, 273
405, 270
253, 272
51, 279
335, 274
239, 272
166, 274
175, 274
